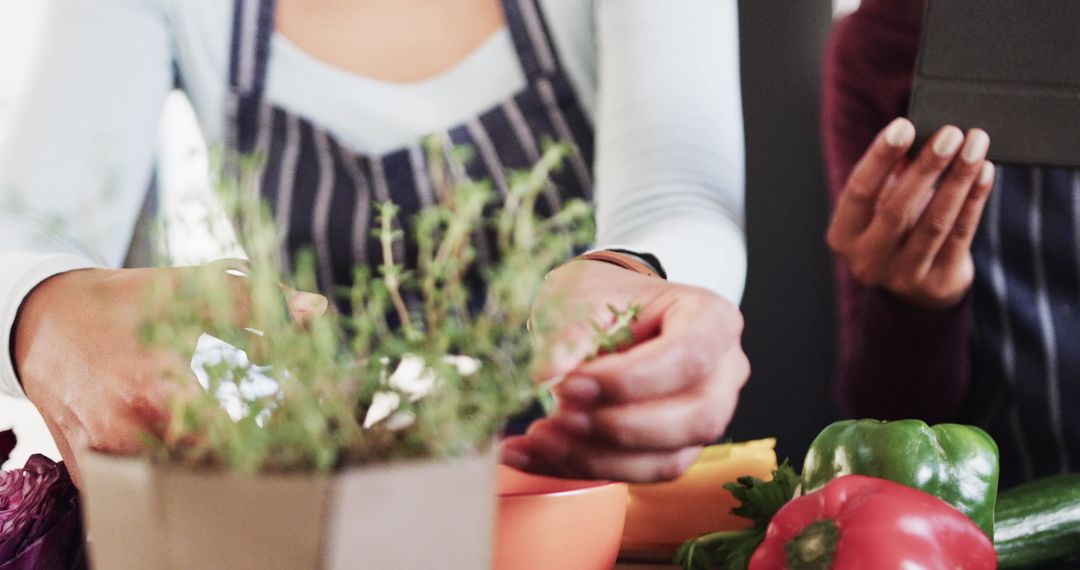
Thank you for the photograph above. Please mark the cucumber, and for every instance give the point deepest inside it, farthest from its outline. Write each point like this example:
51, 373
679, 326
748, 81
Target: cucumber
1038, 522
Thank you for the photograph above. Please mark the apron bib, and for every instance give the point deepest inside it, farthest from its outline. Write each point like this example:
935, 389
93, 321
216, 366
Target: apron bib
323, 195
1026, 335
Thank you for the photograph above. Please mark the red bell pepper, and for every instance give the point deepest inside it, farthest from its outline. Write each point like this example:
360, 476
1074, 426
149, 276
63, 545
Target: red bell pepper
857, 522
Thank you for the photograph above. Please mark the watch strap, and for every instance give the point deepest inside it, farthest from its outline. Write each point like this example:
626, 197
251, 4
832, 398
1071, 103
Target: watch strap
627, 260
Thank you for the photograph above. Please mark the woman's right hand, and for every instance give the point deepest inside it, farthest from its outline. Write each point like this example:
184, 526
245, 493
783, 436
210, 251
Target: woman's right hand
907, 226
82, 362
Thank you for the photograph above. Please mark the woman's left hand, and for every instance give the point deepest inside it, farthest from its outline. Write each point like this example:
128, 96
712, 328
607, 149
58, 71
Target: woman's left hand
644, 413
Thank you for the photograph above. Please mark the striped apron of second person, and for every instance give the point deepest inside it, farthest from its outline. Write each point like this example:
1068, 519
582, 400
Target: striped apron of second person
1026, 335
324, 196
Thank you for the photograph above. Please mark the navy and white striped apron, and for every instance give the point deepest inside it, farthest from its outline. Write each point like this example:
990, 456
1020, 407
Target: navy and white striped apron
1026, 335
323, 195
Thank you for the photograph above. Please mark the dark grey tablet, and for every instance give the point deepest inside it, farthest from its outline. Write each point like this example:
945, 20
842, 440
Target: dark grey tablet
1011, 67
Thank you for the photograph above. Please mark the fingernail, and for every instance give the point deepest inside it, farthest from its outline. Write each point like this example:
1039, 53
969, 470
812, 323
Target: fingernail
548, 442
987, 174
515, 459
976, 146
948, 141
689, 456
573, 422
579, 389
899, 133
309, 304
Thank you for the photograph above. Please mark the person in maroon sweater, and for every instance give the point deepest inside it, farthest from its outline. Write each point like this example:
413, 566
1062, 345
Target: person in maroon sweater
869, 66
947, 314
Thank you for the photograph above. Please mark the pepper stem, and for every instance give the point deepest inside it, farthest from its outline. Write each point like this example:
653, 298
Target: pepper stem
814, 548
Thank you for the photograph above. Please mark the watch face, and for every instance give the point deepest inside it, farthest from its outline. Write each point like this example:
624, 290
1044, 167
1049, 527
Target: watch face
1005, 66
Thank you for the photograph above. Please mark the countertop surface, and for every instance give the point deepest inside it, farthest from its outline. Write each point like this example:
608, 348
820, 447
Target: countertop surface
645, 561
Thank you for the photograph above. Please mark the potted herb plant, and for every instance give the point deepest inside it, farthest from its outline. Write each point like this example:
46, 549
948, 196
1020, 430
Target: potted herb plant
359, 437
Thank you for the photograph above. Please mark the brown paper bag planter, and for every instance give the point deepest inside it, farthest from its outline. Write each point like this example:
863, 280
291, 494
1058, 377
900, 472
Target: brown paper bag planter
407, 515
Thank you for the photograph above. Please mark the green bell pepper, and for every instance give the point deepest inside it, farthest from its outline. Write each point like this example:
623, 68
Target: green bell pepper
957, 463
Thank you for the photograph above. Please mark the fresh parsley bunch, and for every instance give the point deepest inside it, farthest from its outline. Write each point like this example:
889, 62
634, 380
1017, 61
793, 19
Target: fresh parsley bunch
759, 501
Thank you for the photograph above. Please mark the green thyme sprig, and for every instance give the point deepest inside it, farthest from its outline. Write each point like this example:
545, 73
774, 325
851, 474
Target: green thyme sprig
330, 370
614, 337
619, 335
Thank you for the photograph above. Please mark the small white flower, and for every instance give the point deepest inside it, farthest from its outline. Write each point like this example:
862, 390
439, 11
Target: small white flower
382, 406
413, 377
400, 420
239, 381
465, 365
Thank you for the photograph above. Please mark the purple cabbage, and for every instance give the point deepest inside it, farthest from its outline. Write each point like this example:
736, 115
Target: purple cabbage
40, 525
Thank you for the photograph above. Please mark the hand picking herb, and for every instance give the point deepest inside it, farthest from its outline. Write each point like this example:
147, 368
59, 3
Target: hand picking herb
611, 338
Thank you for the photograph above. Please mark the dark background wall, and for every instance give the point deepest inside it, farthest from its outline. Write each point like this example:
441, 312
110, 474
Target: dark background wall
789, 301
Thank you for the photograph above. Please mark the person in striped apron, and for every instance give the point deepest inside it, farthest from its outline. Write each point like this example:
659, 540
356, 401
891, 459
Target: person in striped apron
938, 320
336, 100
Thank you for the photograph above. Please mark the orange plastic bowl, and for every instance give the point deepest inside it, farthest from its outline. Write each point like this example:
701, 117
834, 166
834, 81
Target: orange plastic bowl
547, 524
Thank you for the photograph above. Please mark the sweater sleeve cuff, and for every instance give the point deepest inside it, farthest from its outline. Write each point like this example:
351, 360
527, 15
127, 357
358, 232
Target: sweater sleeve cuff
704, 253
906, 361
23, 272
904, 318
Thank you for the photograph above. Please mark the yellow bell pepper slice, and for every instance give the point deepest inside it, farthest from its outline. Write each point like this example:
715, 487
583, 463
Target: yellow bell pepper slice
661, 516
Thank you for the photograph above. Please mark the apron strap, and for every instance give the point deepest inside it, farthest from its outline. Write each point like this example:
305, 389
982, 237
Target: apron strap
253, 27
532, 40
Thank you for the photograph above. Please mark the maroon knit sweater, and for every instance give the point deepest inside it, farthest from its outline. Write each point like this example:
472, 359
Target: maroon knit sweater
895, 360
